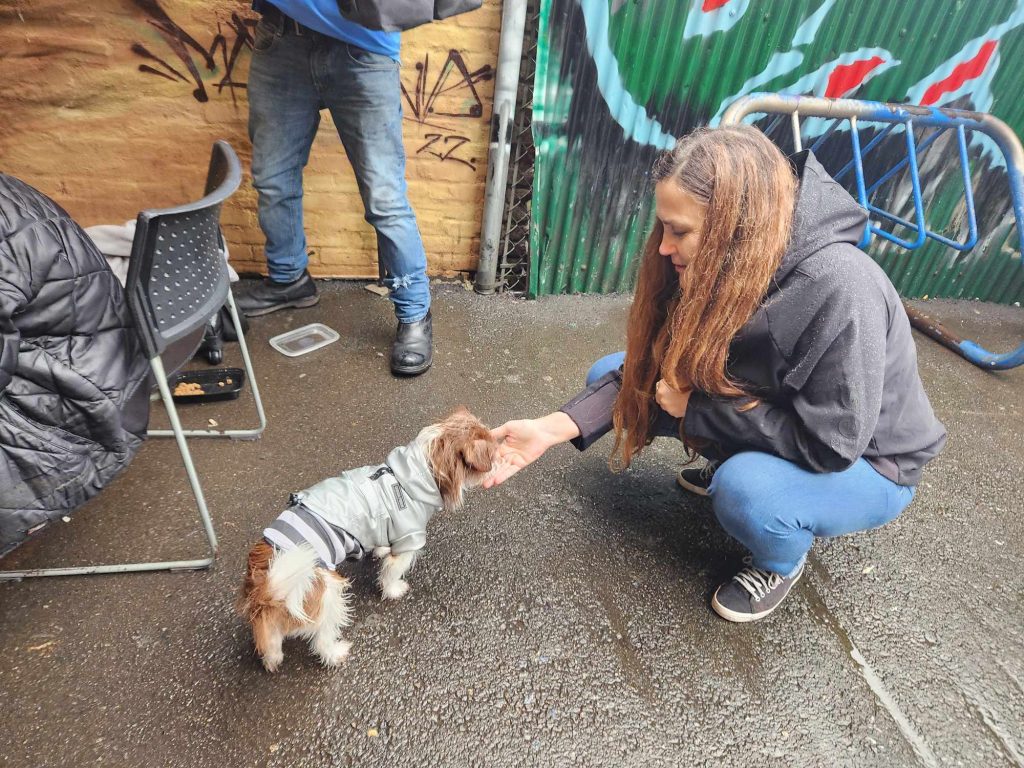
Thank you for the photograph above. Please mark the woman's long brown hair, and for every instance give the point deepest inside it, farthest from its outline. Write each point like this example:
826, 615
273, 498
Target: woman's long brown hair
680, 329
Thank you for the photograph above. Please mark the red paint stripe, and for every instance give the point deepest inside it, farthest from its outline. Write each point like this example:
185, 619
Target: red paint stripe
961, 74
848, 77
713, 5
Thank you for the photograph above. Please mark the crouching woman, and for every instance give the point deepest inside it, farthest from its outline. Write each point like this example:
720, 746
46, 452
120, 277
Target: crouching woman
765, 340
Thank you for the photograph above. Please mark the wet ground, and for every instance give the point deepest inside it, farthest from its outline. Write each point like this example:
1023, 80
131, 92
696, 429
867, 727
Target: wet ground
559, 620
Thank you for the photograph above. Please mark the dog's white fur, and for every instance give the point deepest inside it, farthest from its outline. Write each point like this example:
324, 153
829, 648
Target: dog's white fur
292, 577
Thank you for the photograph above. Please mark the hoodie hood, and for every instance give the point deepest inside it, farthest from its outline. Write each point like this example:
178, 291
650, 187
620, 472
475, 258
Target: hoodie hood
825, 214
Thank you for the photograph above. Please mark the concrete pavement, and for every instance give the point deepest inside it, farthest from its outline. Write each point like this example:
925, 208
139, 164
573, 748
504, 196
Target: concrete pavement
559, 620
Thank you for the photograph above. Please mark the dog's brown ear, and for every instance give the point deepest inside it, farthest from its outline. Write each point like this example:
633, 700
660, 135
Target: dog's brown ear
460, 410
477, 455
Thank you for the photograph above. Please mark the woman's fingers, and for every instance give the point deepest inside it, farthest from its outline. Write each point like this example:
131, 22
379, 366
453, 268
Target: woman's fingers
511, 458
507, 449
518, 446
505, 470
671, 400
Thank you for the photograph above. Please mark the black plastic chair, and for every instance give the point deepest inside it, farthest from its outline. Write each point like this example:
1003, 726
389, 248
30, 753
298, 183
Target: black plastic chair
177, 280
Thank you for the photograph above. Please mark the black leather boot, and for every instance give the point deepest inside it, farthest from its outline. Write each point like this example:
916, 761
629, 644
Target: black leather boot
413, 350
268, 296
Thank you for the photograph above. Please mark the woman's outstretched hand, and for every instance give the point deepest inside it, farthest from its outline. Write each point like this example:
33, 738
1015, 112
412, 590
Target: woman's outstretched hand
525, 440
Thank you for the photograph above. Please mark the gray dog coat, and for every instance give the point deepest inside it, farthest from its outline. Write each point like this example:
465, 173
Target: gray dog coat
383, 505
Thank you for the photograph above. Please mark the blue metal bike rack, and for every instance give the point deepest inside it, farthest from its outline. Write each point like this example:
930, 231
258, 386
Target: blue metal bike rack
906, 117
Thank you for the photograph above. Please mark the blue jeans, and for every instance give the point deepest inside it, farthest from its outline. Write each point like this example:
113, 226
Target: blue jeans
776, 508
294, 76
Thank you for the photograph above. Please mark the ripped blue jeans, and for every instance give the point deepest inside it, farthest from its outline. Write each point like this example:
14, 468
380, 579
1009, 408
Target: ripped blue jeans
292, 77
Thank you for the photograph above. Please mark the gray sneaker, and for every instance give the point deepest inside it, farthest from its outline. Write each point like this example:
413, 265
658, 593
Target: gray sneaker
752, 593
697, 479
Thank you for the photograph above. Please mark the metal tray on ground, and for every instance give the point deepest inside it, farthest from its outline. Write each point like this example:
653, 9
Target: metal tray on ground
206, 386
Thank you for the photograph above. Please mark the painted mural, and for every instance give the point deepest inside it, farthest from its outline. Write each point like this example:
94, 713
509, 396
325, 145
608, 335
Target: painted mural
619, 80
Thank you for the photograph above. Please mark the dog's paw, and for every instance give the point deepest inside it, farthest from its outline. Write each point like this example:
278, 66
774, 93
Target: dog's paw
272, 661
379, 553
395, 590
337, 654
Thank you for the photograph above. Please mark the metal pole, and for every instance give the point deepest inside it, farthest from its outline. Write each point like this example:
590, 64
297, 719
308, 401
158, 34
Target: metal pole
506, 86
186, 455
239, 434
908, 115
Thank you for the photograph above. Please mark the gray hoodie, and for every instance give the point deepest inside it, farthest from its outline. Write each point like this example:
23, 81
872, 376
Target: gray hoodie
385, 505
829, 353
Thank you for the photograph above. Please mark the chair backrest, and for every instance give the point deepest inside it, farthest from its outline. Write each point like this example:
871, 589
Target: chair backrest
177, 276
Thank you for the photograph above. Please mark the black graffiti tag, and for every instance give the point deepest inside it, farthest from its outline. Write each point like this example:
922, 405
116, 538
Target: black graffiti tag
180, 41
452, 94
448, 154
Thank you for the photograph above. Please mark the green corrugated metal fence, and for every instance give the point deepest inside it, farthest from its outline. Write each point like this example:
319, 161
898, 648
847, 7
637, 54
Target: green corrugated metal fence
618, 80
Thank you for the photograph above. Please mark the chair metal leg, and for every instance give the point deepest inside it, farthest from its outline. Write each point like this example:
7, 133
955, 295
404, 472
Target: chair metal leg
240, 434
197, 492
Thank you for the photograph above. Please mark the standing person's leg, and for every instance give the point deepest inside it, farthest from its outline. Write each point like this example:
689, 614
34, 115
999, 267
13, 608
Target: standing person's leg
776, 509
363, 92
284, 113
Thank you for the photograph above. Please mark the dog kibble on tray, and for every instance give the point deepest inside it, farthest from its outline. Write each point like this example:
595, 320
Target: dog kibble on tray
188, 388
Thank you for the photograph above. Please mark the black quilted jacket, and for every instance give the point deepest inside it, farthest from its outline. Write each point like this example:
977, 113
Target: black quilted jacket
74, 394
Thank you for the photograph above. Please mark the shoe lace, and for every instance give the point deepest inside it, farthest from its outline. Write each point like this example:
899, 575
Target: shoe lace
757, 581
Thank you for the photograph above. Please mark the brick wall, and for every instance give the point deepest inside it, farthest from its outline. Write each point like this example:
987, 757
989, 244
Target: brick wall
111, 106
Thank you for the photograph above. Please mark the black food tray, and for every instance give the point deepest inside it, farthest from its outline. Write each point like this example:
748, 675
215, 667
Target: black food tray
216, 384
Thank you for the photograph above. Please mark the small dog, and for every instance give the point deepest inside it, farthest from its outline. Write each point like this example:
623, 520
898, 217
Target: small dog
291, 585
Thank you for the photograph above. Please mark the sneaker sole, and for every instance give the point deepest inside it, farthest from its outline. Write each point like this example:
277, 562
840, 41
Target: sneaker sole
687, 486
744, 618
309, 301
